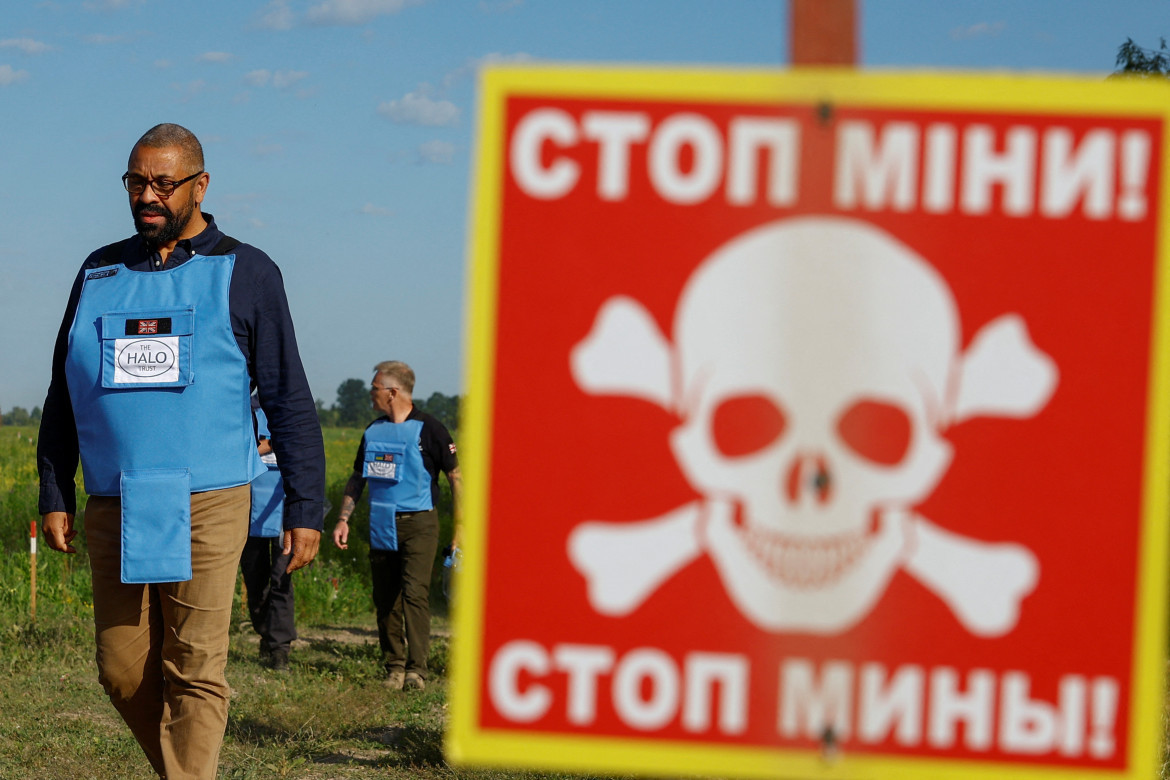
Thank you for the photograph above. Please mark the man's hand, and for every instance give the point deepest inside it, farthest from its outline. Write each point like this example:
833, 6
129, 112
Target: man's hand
341, 534
303, 544
58, 530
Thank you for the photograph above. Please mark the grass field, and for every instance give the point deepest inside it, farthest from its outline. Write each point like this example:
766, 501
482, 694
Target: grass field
329, 718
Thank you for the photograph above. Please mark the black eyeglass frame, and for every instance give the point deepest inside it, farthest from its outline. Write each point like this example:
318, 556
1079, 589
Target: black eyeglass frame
168, 186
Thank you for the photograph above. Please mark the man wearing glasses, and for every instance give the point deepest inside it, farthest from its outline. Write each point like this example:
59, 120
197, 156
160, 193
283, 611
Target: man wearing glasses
167, 460
401, 455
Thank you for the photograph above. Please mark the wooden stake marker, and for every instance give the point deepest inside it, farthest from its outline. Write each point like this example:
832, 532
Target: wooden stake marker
32, 577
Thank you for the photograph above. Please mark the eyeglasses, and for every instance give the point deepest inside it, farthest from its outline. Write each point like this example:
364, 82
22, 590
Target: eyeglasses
164, 188
376, 388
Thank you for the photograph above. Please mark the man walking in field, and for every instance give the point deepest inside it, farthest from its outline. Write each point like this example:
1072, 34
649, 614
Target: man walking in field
264, 563
401, 455
167, 460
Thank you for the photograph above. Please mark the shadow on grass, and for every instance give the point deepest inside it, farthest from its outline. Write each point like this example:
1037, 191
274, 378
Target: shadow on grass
329, 656
258, 733
411, 745
350, 631
326, 652
415, 745
394, 746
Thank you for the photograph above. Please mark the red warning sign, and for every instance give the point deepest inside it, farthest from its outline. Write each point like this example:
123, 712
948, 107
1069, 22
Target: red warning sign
817, 426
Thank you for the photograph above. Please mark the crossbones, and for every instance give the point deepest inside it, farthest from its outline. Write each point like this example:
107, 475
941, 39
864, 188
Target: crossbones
815, 364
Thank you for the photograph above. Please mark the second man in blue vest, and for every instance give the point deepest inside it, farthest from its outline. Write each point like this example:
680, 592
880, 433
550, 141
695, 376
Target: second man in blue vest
271, 605
400, 456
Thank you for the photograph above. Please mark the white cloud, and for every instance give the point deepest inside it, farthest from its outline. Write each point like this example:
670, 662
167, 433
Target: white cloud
377, 211
25, 45
436, 151
980, 30
418, 109
282, 79
9, 75
267, 149
280, 15
162, 64
352, 13
257, 78
216, 56
276, 16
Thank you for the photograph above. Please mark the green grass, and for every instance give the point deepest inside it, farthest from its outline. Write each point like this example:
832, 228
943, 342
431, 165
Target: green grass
330, 718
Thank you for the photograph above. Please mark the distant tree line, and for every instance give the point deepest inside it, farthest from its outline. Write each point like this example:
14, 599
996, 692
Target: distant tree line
353, 410
18, 415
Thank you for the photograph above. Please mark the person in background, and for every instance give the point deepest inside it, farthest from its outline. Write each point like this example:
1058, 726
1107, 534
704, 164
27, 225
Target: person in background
401, 455
167, 460
264, 562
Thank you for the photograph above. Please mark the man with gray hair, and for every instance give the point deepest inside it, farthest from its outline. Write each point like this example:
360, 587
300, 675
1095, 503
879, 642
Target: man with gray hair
167, 460
401, 455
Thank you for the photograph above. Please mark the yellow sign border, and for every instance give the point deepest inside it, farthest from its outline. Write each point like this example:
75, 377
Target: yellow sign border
466, 742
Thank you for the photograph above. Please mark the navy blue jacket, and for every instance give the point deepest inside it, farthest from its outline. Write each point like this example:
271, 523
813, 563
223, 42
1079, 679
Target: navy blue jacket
264, 331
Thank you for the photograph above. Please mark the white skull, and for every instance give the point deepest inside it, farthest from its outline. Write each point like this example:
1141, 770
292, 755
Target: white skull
815, 356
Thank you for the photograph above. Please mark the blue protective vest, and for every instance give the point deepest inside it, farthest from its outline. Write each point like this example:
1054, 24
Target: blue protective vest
397, 479
267, 490
161, 399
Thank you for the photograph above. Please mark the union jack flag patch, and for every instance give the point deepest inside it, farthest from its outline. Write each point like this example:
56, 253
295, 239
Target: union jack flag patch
156, 326
451, 447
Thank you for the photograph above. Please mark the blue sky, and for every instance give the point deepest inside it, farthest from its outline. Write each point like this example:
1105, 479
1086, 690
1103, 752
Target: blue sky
338, 133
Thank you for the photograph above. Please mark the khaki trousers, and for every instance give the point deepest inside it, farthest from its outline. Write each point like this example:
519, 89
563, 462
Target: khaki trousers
162, 649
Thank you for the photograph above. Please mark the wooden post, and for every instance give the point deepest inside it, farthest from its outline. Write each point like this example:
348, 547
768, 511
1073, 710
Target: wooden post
32, 578
822, 32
